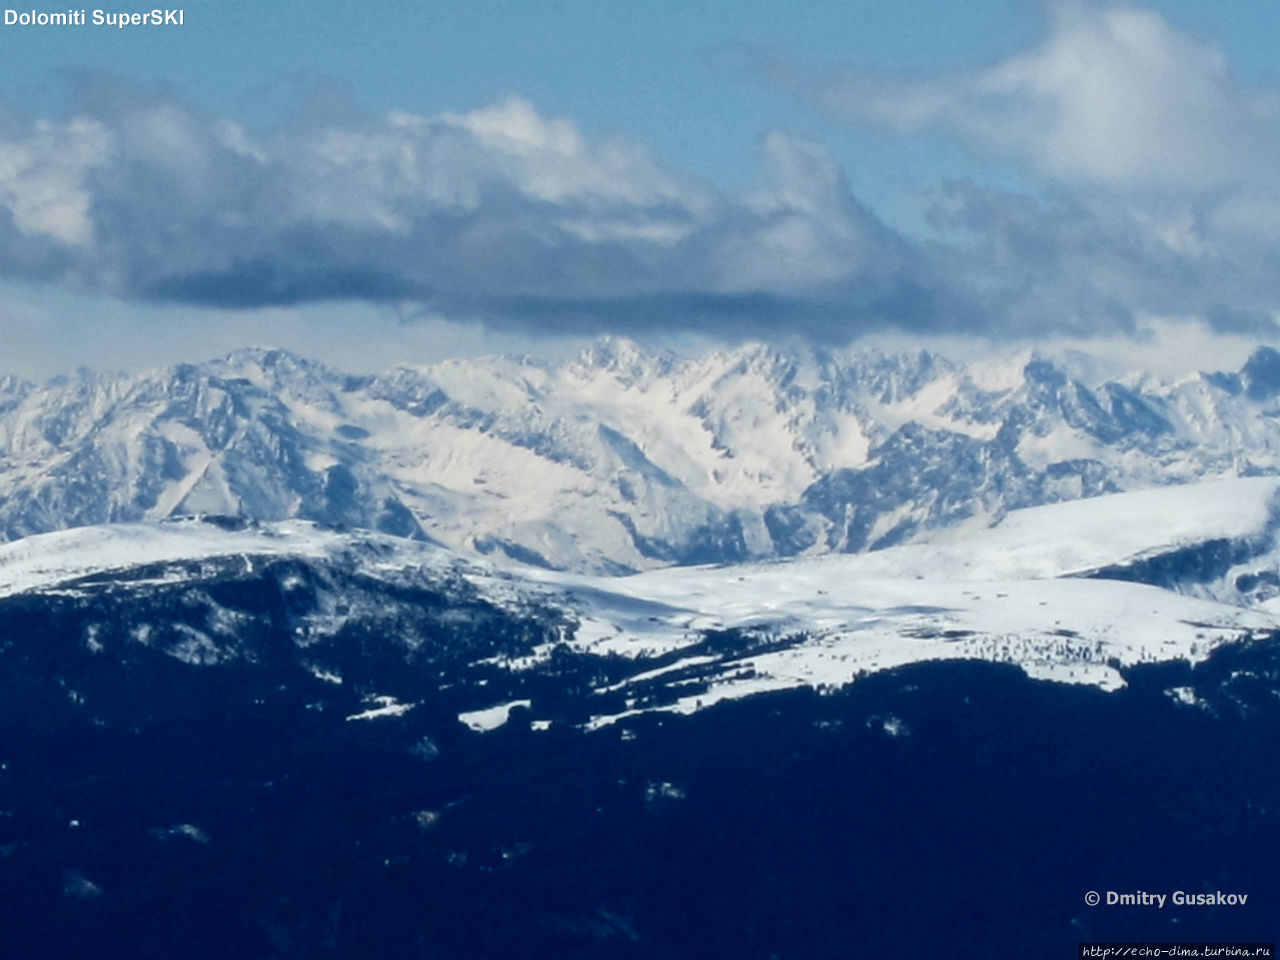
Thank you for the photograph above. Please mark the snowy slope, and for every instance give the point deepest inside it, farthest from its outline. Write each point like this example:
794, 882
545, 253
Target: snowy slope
1018, 593
1081, 536
1071, 631
623, 459
46, 562
681, 639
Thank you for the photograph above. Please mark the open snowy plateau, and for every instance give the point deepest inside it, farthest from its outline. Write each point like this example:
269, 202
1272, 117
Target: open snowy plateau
1073, 592
624, 459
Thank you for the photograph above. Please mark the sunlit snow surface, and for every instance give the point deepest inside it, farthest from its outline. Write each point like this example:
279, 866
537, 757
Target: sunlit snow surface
385, 707
1009, 593
624, 459
491, 718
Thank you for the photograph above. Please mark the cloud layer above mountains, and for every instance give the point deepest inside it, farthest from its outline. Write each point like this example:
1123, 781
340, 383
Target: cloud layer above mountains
1155, 198
500, 213
1111, 96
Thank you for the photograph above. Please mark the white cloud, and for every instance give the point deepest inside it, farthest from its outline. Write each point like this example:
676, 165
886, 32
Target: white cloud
1154, 162
43, 179
811, 231
520, 220
1115, 96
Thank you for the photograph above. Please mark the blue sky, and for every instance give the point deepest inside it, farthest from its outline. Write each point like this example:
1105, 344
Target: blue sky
682, 78
370, 179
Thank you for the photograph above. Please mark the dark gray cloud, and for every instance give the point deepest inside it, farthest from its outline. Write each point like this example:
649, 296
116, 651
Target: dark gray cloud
499, 213
1085, 262
508, 216
1155, 159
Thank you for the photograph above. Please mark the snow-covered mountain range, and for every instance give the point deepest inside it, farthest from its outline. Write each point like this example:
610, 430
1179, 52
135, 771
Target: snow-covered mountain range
300, 676
1076, 592
624, 458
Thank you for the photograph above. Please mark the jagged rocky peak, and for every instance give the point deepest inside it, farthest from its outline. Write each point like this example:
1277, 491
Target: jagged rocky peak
612, 353
13, 384
626, 358
271, 368
13, 390
627, 456
1260, 374
253, 359
1044, 373
890, 378
764, 358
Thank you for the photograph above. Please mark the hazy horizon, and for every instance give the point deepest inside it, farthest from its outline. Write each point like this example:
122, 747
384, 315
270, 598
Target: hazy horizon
456, 182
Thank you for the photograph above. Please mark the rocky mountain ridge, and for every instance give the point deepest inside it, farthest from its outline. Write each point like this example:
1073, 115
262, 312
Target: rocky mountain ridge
623, 458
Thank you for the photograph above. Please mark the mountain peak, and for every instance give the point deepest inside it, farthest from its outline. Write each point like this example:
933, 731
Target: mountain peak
274, 359
1261, 374
626, 357
1044, 372
627, 457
